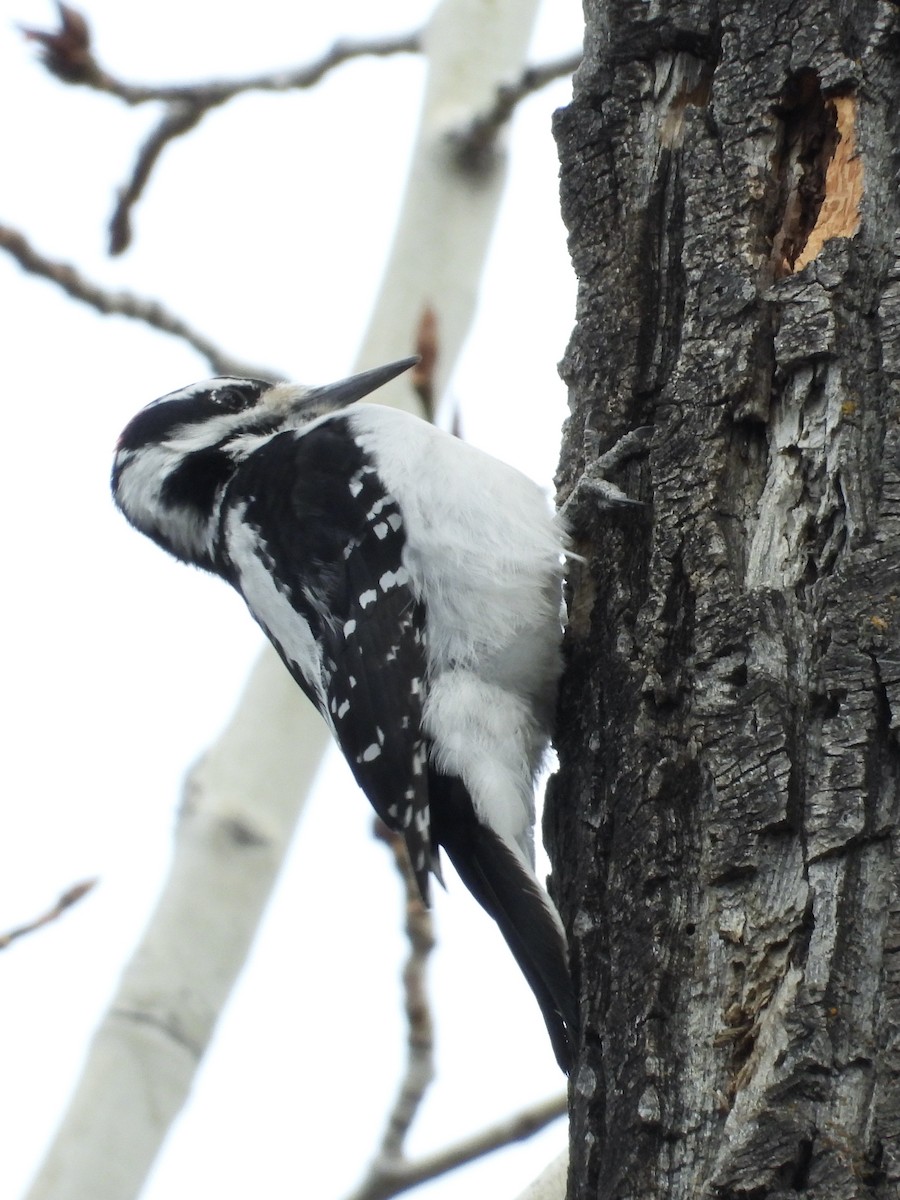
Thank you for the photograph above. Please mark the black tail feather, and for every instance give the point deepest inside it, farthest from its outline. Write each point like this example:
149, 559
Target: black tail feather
492, 872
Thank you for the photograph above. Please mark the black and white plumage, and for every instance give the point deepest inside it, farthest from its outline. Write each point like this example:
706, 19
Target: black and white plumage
411, 585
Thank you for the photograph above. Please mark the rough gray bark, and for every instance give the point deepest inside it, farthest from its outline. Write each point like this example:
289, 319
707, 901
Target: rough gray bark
725, 821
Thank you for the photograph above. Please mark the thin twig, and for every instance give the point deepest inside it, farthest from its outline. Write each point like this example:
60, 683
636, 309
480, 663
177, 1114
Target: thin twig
124, 304
69, 897
419, 1072
67, 53
391, 1172
400, 1177
188, 104
474, 145
179, 118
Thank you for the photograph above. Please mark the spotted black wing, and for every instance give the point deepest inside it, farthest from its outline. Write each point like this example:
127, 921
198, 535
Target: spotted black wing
335, 599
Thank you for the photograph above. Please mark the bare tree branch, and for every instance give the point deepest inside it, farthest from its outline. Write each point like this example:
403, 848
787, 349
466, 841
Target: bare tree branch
386, 1180
188, 104
69, 897
124, 304
475, 144
68, 55
420, 1027
180, 117
391, 1172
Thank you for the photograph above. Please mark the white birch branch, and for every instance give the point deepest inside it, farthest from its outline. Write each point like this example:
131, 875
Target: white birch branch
551, 1183
473, 47
241, 802
243, 799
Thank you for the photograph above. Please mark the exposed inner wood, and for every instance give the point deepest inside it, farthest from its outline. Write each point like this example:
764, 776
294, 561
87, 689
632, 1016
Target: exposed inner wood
839, 214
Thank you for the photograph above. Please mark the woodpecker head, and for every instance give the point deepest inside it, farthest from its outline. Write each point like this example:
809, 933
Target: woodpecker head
175, 458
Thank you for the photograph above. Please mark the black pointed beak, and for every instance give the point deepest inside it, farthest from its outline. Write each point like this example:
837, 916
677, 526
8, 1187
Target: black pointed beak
338, 395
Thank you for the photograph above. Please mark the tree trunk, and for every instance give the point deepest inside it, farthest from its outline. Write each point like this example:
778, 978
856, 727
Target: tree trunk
724, 824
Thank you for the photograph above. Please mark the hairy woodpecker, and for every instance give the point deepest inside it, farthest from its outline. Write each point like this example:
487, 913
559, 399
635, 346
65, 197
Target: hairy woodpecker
411, 585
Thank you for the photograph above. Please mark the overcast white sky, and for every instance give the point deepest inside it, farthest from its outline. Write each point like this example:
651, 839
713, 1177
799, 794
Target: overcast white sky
267, 228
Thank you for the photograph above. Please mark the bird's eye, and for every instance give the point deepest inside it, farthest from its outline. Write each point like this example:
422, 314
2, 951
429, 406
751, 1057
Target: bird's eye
229, 398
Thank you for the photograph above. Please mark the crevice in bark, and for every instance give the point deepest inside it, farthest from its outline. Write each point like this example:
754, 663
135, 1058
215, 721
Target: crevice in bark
798, 1173
662, 286
819, 174
807, 143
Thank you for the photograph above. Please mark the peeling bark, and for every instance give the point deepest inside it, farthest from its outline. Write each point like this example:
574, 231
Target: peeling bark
725, 820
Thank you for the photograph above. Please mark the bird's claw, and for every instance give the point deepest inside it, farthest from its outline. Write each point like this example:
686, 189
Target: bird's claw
594, 492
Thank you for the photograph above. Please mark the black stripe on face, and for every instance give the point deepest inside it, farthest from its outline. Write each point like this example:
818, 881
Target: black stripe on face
156, 423
197, 480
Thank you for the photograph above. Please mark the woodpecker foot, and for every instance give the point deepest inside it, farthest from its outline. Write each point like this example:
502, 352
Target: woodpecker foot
594, 493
